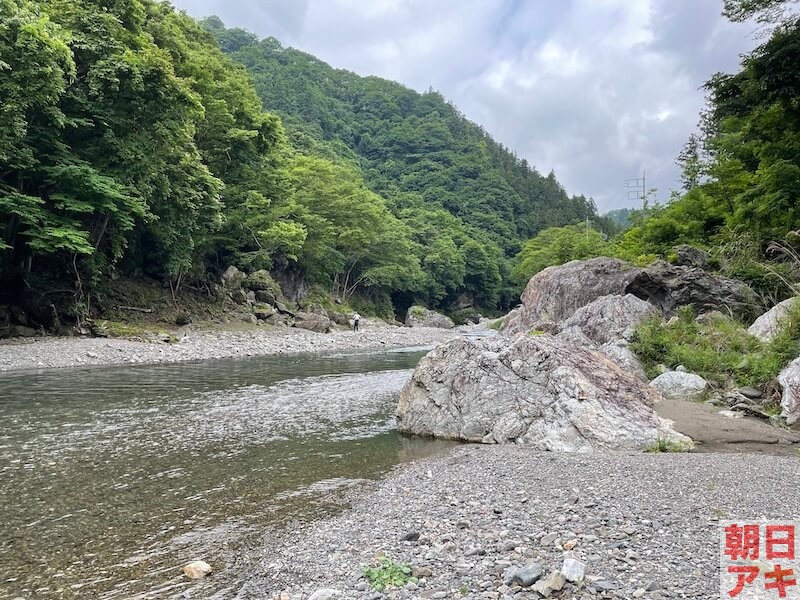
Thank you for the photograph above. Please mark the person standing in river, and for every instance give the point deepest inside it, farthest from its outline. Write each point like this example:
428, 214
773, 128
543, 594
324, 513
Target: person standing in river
356, 319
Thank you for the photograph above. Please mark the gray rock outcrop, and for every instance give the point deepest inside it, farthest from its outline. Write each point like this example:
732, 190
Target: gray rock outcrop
676, 385
534, 390
789, 379
670, 286
768, 325
607, 325
689, 256
555, 293
419, 316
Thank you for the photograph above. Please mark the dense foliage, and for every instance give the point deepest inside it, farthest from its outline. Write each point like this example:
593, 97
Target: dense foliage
470, 203
742, 174
130, 143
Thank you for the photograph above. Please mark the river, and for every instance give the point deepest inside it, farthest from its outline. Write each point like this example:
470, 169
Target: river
114, 477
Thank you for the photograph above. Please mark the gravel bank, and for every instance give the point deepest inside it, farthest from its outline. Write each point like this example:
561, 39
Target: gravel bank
41, 353
645, 525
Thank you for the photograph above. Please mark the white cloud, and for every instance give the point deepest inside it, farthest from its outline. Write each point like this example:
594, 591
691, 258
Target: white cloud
596, 90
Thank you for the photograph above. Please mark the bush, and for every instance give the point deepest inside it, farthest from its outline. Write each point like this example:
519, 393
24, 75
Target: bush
667, 445
720, 350
388, 573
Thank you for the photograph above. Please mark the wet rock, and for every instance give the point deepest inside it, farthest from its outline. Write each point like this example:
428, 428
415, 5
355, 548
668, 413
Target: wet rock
536, 390
768, 325
555, 293
524, 576
789, 379
680, 386
419, 316
197, 569
671, 286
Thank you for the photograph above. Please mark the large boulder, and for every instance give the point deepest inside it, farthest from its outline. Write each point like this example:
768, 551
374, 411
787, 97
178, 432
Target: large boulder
555, 293
768, 325
789, 379
670, 286
232, 278
534, 390
611, 318
313, 322
675, 385
607, 325
262, 281
419, 316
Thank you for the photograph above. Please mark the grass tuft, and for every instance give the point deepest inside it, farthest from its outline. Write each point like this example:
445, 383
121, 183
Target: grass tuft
388, 573
663, 444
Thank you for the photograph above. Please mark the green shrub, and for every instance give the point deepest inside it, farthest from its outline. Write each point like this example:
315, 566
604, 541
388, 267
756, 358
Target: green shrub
388, 573
663, 444
720, 350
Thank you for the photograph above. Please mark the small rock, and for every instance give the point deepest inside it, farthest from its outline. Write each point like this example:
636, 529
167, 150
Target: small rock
554, 582
750, 393
731, 414
325, 594
525, 576
549, 539
197, 569
411, 536
570, 544
638, 593
573, 570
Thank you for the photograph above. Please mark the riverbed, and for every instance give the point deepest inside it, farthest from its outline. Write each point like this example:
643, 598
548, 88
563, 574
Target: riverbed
114, 477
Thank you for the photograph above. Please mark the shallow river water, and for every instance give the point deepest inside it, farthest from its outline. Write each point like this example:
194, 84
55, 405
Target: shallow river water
111, 478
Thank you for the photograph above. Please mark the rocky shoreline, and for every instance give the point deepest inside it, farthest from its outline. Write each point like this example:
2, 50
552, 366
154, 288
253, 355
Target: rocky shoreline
204, 344
643, 525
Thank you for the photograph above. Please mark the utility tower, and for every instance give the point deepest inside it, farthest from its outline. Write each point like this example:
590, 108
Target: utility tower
637, 189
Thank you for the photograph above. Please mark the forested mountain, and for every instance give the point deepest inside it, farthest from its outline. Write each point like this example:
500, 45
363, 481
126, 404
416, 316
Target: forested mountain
130, 144
421, 154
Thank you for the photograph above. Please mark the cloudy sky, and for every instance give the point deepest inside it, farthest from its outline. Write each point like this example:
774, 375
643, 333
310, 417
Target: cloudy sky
596, 90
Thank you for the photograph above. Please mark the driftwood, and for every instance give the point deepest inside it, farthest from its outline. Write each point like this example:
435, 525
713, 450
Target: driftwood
135, 309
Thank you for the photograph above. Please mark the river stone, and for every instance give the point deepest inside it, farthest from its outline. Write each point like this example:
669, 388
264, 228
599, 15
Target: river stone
525, 576
680, 386
538, 391
750, 393
197, 569
554, 582
419, 316
789, 379
266, 297
555, 293
768, 325
325, 594
671, 286
573, 570
313, 322
22, 331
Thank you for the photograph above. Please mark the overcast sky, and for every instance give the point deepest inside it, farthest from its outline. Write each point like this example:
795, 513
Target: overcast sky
596, 90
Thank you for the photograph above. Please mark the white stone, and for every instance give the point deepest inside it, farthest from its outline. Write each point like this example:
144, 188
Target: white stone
197, 569
789, 379
680, 386
538, 391
768, 325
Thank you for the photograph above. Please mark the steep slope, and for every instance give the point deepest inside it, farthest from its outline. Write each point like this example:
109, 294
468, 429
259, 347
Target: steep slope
416, 150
